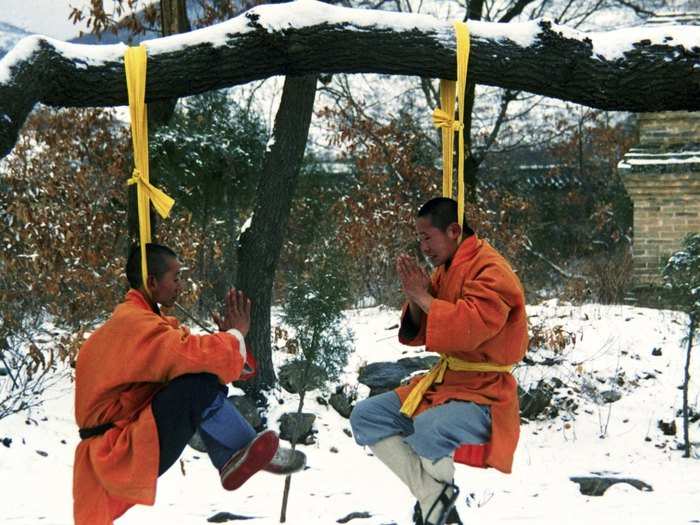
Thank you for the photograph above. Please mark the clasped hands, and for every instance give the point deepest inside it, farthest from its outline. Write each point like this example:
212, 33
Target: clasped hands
415, 281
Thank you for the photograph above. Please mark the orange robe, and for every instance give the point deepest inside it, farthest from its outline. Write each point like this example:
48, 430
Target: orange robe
478, 315
119, 369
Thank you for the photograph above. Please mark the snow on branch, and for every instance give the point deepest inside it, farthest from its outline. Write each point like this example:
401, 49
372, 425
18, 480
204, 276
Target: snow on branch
635, 69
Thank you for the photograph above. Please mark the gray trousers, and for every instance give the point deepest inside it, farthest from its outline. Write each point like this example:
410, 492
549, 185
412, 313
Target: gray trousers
433, 434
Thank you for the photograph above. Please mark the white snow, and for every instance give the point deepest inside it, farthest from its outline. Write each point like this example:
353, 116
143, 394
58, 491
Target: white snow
83, 55
312, 12
521, 33
634, 158
613, 44
609, 340
248, 222
634, 162
610, 45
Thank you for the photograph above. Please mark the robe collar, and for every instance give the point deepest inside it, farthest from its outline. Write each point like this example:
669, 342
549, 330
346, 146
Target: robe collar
466, 250
137, 298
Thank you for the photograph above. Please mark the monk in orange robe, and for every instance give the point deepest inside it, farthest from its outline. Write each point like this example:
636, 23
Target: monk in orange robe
471, 312
144, 384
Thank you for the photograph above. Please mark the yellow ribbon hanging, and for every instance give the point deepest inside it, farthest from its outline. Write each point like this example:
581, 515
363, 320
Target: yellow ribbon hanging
443, 118
437, 373
135, 59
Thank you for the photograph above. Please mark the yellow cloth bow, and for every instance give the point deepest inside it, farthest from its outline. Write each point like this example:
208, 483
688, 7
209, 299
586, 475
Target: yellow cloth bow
443, 120
135, 59
437, 373
162, 202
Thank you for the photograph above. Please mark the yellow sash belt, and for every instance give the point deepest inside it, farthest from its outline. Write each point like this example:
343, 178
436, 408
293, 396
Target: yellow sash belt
437, 373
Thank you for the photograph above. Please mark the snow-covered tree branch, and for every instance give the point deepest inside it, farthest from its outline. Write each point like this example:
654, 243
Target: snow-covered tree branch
634, 69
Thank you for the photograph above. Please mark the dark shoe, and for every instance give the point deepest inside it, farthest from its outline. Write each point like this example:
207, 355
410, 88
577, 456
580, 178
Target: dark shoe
452, 518
286, 461
437, 515
417, 514
251, 459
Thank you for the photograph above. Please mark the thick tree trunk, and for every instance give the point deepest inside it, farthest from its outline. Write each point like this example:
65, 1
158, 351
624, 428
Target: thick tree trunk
650, 69
261, 243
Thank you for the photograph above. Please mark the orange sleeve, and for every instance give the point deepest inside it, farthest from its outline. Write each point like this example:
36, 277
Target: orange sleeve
409, 333
157, 350
184, 353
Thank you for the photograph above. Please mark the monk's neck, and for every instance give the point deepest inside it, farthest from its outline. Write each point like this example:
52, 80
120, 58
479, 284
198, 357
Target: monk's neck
151, 303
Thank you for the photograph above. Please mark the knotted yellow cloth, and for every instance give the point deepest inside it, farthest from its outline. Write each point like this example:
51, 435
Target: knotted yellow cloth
437, 373
135, 60
443, 118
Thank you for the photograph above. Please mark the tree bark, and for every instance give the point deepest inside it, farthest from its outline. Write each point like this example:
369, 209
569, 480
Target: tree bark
261, 243
471, 164
655, 72
173, 21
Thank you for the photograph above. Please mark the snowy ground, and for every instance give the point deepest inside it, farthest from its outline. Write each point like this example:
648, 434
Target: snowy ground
610, 340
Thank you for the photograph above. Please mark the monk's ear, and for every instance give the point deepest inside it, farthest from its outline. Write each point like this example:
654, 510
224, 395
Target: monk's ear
152, 282
454, 231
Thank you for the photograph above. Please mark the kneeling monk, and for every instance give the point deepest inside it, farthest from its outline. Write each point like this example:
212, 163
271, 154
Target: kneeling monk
144, 384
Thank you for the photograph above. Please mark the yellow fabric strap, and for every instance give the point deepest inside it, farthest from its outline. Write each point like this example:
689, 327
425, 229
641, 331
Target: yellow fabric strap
135, 59
443, 118
437, 374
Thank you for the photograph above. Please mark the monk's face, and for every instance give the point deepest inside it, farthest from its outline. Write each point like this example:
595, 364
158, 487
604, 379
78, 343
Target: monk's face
166, 289
437, 245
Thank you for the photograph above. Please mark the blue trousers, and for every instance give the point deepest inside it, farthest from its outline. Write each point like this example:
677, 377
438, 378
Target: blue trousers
224, 430
198, 402
433, 434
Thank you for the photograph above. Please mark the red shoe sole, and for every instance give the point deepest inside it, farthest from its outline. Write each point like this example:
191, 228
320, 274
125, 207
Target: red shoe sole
255, 458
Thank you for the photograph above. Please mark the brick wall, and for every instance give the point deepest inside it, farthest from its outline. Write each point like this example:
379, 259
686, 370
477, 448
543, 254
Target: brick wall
662, 177
666, 209
671, 128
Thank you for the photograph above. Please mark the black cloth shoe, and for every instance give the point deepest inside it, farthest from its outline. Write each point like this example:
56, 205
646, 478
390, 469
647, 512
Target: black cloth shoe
452, 517
417, 515
448, 503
